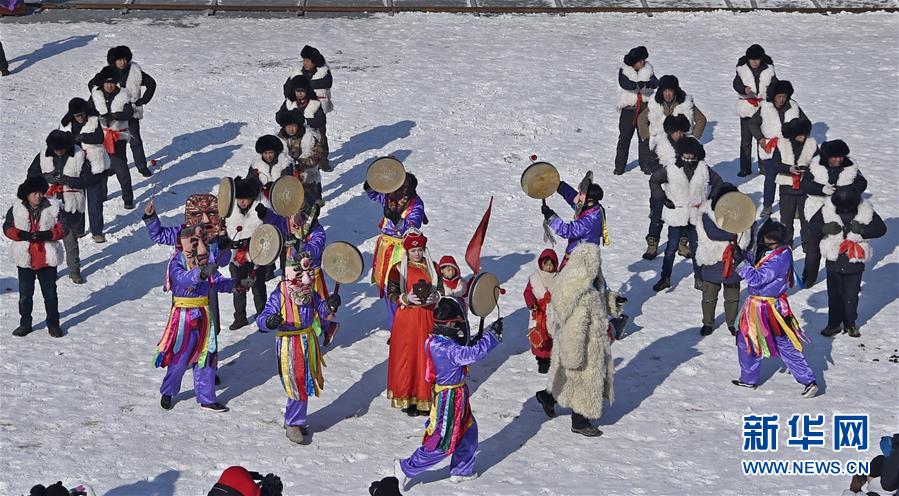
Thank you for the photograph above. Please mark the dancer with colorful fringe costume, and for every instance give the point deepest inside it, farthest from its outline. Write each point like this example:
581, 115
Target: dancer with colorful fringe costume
189, 339
403, 210
303, 234
767, 325
297, 313
451, 429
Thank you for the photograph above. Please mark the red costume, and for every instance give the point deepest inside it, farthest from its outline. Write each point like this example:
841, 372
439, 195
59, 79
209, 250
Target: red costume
537, 297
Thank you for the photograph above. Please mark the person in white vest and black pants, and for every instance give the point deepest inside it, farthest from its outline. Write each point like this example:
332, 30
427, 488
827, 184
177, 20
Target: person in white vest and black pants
65, 166
33, 225
669, 100
833, 170
316, 70
115, 109
240, 226
755, 72
682, 188
636, 83
131, 78
791, 159
714, 256
845, 224
83, 123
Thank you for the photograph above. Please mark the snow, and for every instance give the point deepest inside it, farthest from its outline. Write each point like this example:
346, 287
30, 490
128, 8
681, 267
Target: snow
463, 100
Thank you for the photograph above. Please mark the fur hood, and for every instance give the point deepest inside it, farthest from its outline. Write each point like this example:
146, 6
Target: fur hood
830, 244
581, 371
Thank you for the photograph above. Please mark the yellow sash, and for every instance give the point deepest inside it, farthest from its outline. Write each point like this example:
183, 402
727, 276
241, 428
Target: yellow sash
190, 301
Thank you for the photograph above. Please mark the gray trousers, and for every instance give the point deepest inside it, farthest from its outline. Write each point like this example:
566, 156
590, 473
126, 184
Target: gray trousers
710, 302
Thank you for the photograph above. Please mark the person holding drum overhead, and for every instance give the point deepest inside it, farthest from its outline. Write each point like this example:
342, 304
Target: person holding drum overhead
297, 313
588, 225
412, 287
403, 210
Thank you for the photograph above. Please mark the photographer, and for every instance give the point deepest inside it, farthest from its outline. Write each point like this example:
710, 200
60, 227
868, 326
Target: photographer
238, 481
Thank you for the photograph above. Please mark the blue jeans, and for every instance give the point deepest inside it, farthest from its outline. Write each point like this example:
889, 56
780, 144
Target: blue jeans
770, 184
675, 233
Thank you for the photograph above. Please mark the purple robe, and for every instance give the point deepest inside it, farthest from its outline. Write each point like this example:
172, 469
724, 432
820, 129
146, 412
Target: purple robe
414, 219
587, 228
771, 279
314, 243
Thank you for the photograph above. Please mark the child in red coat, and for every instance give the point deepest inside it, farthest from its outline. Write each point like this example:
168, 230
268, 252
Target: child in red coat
537, 297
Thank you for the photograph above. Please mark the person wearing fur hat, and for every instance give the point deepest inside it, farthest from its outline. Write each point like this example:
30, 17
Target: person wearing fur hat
83, 123
581, 371
588, 225
662, 146
412, 286
270, 164
114, 107
451, 429
299, 95
669, 99
636, 83
304, 147
834, 169
767, 127
316, 70
537, 297
845, 224
714, 256
755, 73
189, 338
298, 314
388, 486
403, 210
767, 325
33, 225
67, 169
791, 159
682, 188
132, 80
240, 226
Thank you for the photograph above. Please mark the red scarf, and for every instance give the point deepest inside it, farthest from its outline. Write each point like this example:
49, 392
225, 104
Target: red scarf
109, 138
639, 106
852, 249
728, 259
770, 145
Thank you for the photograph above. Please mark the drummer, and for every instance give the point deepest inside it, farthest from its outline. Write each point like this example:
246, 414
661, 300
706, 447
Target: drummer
303, 234
240, 225
403, 210
588, 225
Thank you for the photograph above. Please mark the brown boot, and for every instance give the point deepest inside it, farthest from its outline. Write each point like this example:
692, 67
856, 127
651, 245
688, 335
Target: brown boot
652, 249
683, 248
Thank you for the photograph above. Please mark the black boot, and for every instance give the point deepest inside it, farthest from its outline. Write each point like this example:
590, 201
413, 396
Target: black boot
238, 323
662, 285
542, 365
55, 331
832, 330
22, 331
706, 330
166, 402
548, 403
853, 332
581, 425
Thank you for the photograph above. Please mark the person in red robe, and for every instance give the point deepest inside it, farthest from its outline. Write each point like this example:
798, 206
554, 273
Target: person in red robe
411, 285
537, 297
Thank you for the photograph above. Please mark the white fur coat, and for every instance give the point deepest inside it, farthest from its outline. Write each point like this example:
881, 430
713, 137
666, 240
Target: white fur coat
268, 174
628, 98
134, 89
307, 143
242, 226
771, 123
710, 251
308, 112
785, 147
663, 148
813, 203
657, 114
687, 195
830, 244
22, 220
744, 108
581, 370
96, 154
117, 105
323, 94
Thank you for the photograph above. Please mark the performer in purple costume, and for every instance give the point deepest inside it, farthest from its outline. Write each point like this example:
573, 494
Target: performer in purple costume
588, 224
451, 429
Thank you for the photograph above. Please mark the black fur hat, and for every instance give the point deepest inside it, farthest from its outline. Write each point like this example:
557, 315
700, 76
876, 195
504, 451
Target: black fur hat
32, 185
411, 184
296, 83
450, 320
755, 52
269, 142
846, 199
119, 52
833, 148
59, 140
312, 53
107, 75
691, 145
723, 190
78, 106
774, 231
669, 82
799, 126
674, 123
781, 87
285, 117
635, 55
594, 192
247, 188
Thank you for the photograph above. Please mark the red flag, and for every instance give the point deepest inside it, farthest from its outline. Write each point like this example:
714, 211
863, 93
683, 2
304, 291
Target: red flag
473, 252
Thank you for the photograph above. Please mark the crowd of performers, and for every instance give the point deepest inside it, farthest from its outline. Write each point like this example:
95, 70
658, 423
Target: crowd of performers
575, 317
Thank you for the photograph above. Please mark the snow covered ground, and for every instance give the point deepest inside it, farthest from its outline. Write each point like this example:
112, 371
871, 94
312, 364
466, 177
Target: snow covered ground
464, 101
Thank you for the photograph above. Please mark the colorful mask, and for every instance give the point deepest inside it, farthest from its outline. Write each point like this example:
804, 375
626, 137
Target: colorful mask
300, 277
202, 210
191, 241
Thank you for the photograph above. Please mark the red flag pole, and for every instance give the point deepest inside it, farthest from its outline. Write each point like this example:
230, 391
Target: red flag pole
473, 252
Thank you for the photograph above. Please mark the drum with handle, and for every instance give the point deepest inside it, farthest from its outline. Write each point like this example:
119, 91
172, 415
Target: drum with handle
287, 196
540, 180
226, 197
265, 245
343, 263
386, 175
735, 212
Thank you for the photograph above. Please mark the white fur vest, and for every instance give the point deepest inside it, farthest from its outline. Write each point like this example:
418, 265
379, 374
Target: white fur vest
813, 203
134, 90
771, 123
96, 154
744, 108
663, 148
308, 112
73, 200
789, 158
687, 195
267, 173
323, 94
307, 143
117, 105
657, 114
710, 251
242, 226
628, 98
581, 371
19, 250
830, 244
540, 282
